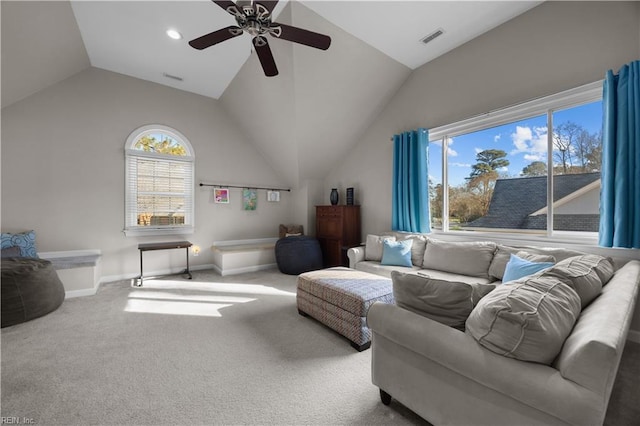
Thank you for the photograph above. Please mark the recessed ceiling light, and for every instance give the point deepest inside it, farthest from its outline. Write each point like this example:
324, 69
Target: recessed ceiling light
174, 34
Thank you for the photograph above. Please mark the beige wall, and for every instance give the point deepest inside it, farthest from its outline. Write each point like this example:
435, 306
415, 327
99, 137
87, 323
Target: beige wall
553, 47
63, 168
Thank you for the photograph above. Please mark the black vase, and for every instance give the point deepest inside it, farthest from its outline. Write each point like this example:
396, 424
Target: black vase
334, 196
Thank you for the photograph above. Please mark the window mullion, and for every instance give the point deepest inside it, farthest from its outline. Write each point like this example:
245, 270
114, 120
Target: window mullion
549, 173
445, 185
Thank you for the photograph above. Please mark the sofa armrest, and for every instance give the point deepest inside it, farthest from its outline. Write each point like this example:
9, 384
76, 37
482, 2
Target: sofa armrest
355, 255
539, 386
591, 354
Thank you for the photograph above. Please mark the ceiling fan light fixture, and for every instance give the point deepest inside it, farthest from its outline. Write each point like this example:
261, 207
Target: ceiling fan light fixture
174, 34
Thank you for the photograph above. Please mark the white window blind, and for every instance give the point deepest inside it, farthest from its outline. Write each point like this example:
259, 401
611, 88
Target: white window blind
159, 185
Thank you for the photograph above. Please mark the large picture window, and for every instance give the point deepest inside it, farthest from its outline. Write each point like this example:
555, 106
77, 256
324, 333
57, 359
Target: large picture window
531, 168
159, 182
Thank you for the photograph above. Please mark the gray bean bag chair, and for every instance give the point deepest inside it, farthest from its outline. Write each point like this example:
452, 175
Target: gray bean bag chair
31, 288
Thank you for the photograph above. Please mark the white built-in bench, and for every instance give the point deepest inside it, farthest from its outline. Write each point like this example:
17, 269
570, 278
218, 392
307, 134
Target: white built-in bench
238, 256
79, 270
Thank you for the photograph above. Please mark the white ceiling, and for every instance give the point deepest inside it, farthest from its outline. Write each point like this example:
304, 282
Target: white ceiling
128, 37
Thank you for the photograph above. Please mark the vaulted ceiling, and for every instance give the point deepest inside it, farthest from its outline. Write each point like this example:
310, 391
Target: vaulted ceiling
304, 119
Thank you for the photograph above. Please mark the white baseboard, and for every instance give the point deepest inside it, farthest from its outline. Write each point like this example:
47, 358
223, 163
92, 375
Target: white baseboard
634, 336
245, 269
113, 278
80, 293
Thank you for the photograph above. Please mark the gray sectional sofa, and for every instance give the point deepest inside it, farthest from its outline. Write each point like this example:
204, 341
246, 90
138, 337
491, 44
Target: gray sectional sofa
452, 376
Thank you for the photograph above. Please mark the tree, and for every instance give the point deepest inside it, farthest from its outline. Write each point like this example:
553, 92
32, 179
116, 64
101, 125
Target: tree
565, 138
483, 177
166, 146
571, 140
536, 168
488, 160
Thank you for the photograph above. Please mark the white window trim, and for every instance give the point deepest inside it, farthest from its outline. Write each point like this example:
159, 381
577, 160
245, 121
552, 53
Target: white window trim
546, 105
137, 231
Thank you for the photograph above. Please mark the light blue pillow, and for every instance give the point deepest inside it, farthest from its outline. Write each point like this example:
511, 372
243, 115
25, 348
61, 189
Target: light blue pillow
25, 240
518, 268
396, 253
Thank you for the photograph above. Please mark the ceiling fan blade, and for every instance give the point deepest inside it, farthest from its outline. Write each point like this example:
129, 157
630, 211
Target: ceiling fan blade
298, 35
265, 56
229, 6
215, 37
269, 4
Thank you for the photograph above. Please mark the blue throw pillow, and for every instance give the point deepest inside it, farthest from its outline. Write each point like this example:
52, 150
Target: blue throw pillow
25, 240
396, 253
518, 268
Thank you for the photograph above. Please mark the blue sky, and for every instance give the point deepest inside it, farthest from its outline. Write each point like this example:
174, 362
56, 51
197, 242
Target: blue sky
523, 141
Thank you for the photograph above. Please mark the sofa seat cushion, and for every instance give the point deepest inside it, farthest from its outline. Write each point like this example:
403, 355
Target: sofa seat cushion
466, 258
374, 267
451, 276
447, 302
527, 319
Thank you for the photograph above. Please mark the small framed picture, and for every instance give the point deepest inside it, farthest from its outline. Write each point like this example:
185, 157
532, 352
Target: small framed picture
221, 195
273, 196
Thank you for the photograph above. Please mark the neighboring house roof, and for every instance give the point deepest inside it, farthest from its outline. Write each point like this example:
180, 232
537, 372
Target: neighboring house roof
515, 199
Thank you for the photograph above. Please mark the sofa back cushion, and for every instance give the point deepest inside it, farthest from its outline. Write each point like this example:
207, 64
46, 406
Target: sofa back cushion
527, 319
586, 274
373, 248
447, 302
417, 248
466, 258
503, 253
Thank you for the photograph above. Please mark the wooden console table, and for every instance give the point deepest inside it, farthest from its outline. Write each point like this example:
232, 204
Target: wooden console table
163, 246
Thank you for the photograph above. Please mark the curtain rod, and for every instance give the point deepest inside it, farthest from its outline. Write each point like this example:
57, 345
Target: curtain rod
245, 186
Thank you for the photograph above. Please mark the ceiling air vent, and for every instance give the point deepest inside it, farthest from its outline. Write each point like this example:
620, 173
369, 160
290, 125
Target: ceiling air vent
432, 36
174, 77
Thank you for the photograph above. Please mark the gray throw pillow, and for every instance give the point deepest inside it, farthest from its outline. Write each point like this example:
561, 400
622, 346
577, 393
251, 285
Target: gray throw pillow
586, 274
447, 302
528, 319
465, 258
373, 248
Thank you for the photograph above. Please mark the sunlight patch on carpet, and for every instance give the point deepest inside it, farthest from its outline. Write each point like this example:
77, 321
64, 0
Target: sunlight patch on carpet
164, 295
238, 288
172, 307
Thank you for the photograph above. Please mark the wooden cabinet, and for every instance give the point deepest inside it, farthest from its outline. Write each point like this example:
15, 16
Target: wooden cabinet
337, 229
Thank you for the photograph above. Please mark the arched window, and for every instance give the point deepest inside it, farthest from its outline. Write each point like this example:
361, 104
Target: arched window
159, 187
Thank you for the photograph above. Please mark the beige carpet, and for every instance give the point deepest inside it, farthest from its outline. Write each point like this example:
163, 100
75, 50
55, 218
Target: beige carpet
215, 350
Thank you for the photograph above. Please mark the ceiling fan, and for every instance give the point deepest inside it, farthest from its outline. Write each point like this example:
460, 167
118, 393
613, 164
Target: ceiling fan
254, 18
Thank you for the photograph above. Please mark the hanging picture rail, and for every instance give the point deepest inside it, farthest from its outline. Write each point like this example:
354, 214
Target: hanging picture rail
216, 185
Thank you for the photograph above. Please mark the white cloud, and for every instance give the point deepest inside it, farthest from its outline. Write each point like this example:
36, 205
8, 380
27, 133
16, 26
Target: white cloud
451, 152
535, 157
478, 150
460, 165
497, 137
503, 169
529, 141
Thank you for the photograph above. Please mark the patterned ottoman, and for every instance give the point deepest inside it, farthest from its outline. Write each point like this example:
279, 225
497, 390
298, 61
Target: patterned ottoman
340, 298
